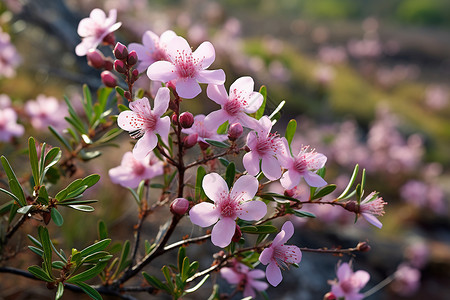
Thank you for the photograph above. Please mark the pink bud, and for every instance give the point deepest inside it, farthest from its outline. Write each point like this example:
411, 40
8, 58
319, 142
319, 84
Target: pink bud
329, 296
203, 145
108, 64
174, 119
95, 59
108, 79
110, 39
134, 75
186, 119
190, 140
120, 51
235, 131
120, 67
127, 95
363, 247
352, 206
132, 58
179, 206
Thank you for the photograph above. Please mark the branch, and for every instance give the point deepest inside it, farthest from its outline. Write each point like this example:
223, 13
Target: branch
187, 242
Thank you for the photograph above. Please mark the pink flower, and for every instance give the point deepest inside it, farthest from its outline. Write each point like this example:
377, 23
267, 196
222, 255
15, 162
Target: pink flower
266, 147
371, 207
143, 123
235, 106
349, 283
279, 256
132, 171
407, 280
46, 111
227, 207
94, 29
305, 164
241, 275
152, 49
203, 131
9, 58
187, 68
8, 125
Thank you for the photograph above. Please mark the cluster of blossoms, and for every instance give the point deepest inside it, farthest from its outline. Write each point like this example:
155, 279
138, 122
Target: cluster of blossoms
169, 61
9, 58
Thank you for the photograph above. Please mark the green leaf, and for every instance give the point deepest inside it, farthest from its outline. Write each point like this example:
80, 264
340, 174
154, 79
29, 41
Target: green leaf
89, 273
99, 246
324, 191
290, 131
59, 291
230, 174
16, 189
198, 285
24, 209
215, 295
34, 160
217, 144
10, 194
122, 107
77, 192
193, 267
259, 229
90, 291
223, 128
60, 138
155, 282
36, 250
43, 195
102, 230
74, 119
76, 201
350, 183
166, 273
363, 179
181, 256
225, 162
303, 214
124, 262
86, 156
109, 136
41, 161
184, 270
87, 103
96, 257
269, 196
199, 193
279, 107
56, 217
6, 207
85, 208
135, 196
120, 91
260, 112
39, 273
46, 246
58, 265
35, 241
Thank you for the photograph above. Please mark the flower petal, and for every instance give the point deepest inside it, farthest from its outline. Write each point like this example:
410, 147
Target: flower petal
254, 102
205, 53
215, 119
211, 76
141, 105
273, 274
316, 161
223, 232
230, 275
162, 128
249, 291
266, 256
256, 274
214, 186
290, 179
128, 121
288, 228
149, 41
363, 278
162, 71
188, 88
292, 253
161, 102
244, 188
165, 38
251, 163
344, 271
259, 285
204, 214
178, 45
271, 167
252, 210
372, 220
145, 145
312, 179
217, 93
243, 84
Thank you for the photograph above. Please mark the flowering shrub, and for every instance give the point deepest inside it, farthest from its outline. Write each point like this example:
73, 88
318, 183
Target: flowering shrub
207, 188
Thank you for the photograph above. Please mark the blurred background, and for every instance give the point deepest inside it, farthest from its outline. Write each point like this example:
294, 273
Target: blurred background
367, 82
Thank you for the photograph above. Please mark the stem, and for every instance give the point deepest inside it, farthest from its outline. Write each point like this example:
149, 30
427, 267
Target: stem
200, 162
16, 226
333, 251
380, 285
187, 242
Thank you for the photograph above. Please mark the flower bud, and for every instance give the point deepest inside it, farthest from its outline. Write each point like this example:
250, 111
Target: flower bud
186, 119
235, 131
363, 247
237, 234
179, 206
174, 119
203, 145
132, 58
95, 59
352, 206
127, 95
120, 51
134, 75
190, 140
120, 67
108, 64
110, 39
109, 79
329, 296
289, 193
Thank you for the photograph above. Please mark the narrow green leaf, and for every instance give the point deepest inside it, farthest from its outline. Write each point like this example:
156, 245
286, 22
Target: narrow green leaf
86, 156
36, 250
268, 196
24, 209
350, 183
46, 246
193, 267
85, 208
124, 262
99, 246
120, 91
102, 230
77, 192
4, 208
58, 265
16, 188
88, 274
358, 193
59, 291
184, 270
225, 162
109, 136
38, 272
324, 191
34, 160
122, 107
12, 212
363, 179
260, 112
76, 201
230, 174
90, 291
34, 241
217, 144
223, 128
181, 256
96, 257
43, 195
259, 229
41, 161
303, 214
60, 138
10, 194
198, 285
290, 131
56, 217
60, 253
279, 107
166, 273
199, 193
87, 103
135, 196
155, 282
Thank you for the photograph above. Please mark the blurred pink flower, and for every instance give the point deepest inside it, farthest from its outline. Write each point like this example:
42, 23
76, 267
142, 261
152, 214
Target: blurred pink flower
8, 125
203, 131
152, 49
266, 147
241, 275
5, 101
371, 207
242, 100
279, 256
132, 171
407, 280
304, 164
186, 68
417, 253
9, 58
228, 205
94, 29
436, 97
46, 111
349, 283
332, 55
143, 123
